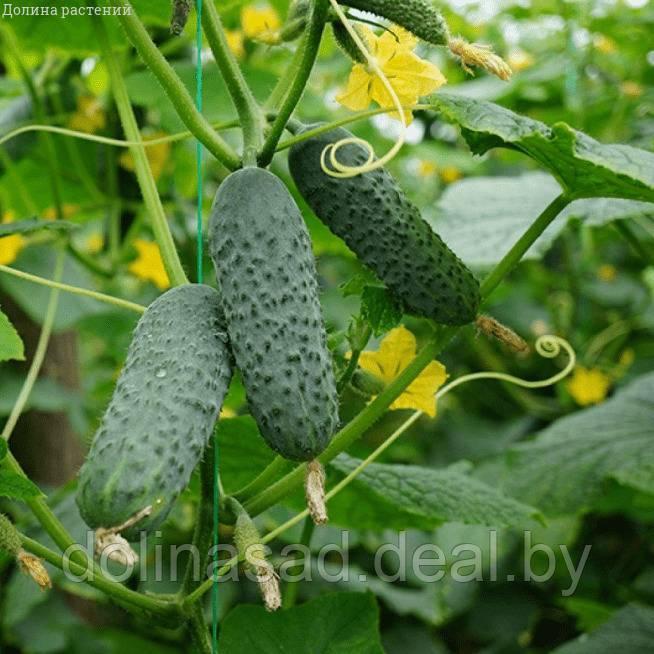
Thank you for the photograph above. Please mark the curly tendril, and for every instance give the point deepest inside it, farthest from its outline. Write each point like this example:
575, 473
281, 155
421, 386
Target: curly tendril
547, 346
339, 169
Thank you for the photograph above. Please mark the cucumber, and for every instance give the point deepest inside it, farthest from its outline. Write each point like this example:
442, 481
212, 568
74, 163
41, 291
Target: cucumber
266, 272
386, 231
419, 17
162, 412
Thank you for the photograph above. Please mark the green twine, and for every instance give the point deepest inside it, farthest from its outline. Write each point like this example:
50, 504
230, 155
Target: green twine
200, 279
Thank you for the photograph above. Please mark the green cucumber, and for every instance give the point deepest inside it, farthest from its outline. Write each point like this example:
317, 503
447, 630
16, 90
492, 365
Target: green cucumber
419, 17
162, 412
386, 231
266, 272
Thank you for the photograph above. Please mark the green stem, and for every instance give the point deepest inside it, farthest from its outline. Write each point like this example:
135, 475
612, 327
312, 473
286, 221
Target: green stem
118, 592
39, 353
292, 587
198, 630
173, 85
142, 167
271, 473
101, 297
88, 261
516, 253
309, 51
249, 112
203, 536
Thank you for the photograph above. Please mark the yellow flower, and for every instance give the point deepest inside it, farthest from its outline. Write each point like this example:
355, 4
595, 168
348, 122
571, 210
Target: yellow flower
631, 89
260, 22
409, 76
427, 168
627, 358
67, 210
589, 386
235, 42
451, 174
89, 116
149, 264
94, 243
607, 273
604, 44
157, 156
10, 246
395, 353
519, 60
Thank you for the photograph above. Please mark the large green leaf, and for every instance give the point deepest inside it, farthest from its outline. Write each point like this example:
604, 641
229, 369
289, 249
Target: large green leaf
16, 486
72, 32
11, 345
584, 167
481, 218
630, 630
564, 468
386, 496
338, 623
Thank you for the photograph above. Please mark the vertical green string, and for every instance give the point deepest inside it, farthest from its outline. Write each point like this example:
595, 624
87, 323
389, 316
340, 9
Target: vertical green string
200, 279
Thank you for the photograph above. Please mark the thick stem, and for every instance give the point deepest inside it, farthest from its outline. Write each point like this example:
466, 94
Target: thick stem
173, 86
203, 536
309, 51
126, 597
249, 112
515, 254
142, 167
199, 631
270, 474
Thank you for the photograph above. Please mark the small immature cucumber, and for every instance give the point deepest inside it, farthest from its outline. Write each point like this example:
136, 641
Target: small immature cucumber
266, 272
162, 412
386, 231
419, 17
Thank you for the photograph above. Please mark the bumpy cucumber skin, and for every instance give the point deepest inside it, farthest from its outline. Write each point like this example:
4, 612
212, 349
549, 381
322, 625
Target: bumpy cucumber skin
266, 272
162, 412
386, 231
419, 17
346, 43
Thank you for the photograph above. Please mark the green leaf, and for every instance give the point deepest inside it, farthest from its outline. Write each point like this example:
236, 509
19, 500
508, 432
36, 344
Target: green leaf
380, 309
11, 345
584, 167
630, 630
386, 496
481, 218
338, 623
563, 470
16, 486
47, 395
35, 224
3, 449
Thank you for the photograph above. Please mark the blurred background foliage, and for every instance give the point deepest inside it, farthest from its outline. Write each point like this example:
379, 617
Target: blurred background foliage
589, 63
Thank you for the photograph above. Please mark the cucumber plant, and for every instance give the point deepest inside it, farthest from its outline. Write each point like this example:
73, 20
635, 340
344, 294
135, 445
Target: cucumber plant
260, 325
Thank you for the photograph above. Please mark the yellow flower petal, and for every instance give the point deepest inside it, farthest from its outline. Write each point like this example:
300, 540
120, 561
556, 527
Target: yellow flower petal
89, 116
395, 353
589, 386
356, 95
259, 20
10, 247
94, 243
235, 43
149, 266
421, 393
409, 76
